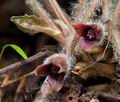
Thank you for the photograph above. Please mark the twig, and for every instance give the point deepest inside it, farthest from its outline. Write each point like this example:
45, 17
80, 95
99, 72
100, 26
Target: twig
89, 66
13, 81
19, 64
20, 89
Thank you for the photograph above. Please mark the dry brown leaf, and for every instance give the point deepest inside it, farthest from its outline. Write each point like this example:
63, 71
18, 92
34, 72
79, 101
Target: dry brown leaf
33, 25
99, 69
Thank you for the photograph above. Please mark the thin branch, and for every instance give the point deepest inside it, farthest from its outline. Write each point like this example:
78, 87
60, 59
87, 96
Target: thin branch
21, 63
16, 80
90, 66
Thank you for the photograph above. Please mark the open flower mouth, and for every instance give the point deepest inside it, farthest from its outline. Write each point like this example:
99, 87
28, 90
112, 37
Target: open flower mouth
90, 34
54, 69
55, 74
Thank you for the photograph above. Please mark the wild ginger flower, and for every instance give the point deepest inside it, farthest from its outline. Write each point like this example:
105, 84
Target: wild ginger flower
88, 35
55, 69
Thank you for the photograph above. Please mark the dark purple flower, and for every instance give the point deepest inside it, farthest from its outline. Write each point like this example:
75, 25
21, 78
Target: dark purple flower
55, 68
89, 34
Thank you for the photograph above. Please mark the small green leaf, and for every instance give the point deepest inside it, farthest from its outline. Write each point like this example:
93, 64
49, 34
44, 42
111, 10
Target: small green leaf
16, 48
